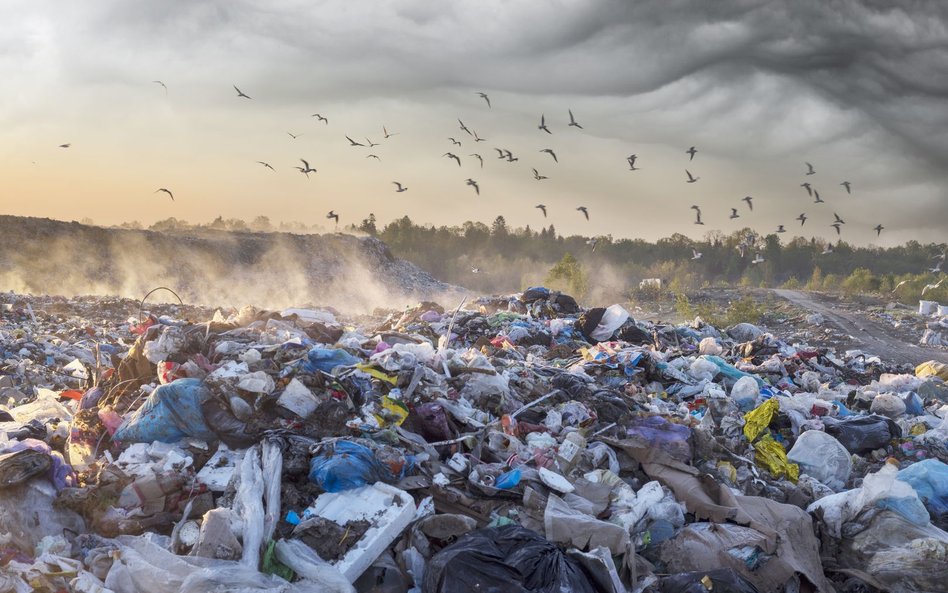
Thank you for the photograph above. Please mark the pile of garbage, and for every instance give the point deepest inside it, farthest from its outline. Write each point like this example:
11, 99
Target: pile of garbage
518, 443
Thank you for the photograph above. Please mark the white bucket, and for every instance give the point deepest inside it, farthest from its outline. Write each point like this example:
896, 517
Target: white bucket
926, 307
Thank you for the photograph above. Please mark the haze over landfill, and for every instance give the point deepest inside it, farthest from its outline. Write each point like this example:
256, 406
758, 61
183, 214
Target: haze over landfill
759, 88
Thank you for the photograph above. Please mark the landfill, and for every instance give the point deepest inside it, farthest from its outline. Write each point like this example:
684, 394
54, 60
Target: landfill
517, 443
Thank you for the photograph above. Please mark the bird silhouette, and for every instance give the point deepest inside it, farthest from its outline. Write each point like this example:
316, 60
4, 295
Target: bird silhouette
478, 157
543, 208
386, 134
371, 144
932, 286
846, 184
240, 93
542, 125
167, 191
66, 145
734, 214
697, 214
353, 142
267, 165
478, 138
537, 176
162, 85
399, 187
473, 184
453, 156
828, 249
581, 209
551, 153
321, 118
810, 170
305, 169
572, 120
838, 219
780, 229
593, 242
691, 151
500, 153
631, 160
818, 199
453, 141
878, 229
294, 136
691, 179
486, 98
695, 254
809, 190
332, 215
750, 202
510, 157
373, 156
837, 226
464, 128
900, 285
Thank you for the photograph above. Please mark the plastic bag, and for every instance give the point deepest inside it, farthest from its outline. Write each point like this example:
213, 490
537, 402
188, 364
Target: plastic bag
929, 478
722, 580
611, 321
823, 457
932, 369
307, 564
657, 432
344, 465
745, 392
862, 434
757, 421
771, 455
510, 559
326, 359
170, 413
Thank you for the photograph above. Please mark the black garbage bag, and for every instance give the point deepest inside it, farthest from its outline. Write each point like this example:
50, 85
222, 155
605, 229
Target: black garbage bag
633, 334
861, 434
588, 322
565, 304
508, 559
723, 580
222, 422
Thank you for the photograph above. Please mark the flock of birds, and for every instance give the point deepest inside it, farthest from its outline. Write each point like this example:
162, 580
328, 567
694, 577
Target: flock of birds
750, 243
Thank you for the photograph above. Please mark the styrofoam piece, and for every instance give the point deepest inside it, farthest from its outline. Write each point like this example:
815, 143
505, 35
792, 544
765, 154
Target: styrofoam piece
556, 481
927, 307
298, 399
219, 469
390, 510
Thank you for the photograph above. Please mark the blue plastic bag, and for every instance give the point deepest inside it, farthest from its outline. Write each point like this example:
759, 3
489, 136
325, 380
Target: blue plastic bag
345, 465
929, 478
656, 432
731, 372
326, 359
171, 413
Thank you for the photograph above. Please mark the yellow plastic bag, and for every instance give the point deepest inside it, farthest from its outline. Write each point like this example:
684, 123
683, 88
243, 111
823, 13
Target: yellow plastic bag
757, 420
394, 412
932, 369
771, 456
371, 370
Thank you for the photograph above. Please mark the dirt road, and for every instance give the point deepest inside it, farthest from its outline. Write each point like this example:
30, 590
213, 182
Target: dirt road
872, 337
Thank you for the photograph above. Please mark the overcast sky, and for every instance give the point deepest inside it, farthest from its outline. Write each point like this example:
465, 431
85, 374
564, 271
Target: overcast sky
858, 89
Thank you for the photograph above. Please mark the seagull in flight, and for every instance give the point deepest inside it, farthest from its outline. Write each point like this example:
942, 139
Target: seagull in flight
399, 187
451, 155
810, 170
473, 184
543, 208
510, 157
757, 259
828, 249
631, 160
332, 214
932, 286
734, 214
373, 156
320, 118
479, 157
167, 191
695, 254
900, 285
838, 219
750, 202
353, 142
453, 141
572, 120
937, 267
818, 199
371, 144
267, 165
386, 134
809, 190
463, 127
542, 125
500, 152
697, 214
691, 151
66, 145
837, 226
551, 153
691, 179
537, 176
592, 242
581, 209
846, 184
878, 229
486, 98
294, 136
478, 138
780, 229
306, 169
162, 84
475, 270
240, 93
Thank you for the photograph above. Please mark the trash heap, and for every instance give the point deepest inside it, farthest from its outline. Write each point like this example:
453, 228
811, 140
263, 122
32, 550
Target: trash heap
516, 444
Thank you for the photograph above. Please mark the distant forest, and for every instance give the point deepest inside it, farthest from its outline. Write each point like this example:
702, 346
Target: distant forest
500, 259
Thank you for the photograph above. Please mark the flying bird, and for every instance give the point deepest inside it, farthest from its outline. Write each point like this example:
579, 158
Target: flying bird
473, 184
537, 176
690, 178
478, 138
691, 151
593, 242
453, 141
475, 270
371, 144
757, 259
373, 156
66, 145
267, 165
818, 199
631, 160
734, 214
750, 202
697, 214
332, 214
481, 159
551, 153
167, 191
838, 219
837, 226
353, 142
810, 170
463, 127
809, 190
500, 152
543, 208
581, 209
320, 118
900, 285
240, 93
162, 84
695, 253
878, 229
305, 169
399, 187
386, 134
542, 125
780, 229
828, 249
932, 286
510, 157
486, 98
294, 136
451, 155
846, 184
572, 120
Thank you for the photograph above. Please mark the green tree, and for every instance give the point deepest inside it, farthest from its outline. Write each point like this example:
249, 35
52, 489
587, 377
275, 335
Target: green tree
568, 273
